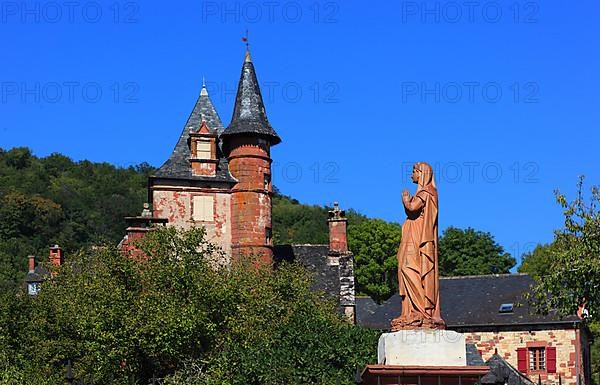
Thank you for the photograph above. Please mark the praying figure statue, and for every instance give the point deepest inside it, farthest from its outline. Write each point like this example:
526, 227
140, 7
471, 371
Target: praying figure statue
418, 279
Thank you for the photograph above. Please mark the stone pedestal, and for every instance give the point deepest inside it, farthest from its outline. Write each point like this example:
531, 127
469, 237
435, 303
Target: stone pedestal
422, 347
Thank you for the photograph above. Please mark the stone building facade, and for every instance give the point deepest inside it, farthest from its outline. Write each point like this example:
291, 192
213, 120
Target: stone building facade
561, 351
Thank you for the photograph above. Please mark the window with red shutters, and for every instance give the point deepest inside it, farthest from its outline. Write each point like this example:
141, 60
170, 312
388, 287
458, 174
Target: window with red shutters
551, 359
522, 359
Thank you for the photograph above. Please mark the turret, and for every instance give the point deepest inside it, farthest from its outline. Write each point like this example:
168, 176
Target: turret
247, 144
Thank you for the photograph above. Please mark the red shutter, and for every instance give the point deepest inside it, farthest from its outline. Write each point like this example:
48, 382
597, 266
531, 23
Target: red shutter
551, 360
522, 359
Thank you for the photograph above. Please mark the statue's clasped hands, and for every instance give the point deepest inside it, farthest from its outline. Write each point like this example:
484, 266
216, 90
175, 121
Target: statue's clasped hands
405, 196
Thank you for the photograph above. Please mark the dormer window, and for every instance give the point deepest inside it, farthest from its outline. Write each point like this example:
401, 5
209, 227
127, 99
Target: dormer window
203, 149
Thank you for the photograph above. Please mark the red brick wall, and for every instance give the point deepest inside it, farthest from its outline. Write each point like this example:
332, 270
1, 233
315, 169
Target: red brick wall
249, 162
338, 236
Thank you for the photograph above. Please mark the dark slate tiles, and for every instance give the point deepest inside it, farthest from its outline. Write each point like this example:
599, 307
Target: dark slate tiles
249, 116
467, 302
178, 164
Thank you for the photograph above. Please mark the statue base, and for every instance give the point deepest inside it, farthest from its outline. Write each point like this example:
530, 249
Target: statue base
423, 323
422, 347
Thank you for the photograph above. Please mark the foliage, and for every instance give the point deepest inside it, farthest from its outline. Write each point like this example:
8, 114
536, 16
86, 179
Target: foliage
178, 312
375, 245
536, 263
573, 272
471, 252
296, 223
51, 200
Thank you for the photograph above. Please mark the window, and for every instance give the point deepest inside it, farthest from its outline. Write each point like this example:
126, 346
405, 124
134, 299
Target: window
537, 359
33, 288
203, 208
267, 182
506, 308
203, 150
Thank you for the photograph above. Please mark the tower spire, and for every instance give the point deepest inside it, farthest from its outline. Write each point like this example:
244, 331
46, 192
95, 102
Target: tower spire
249, 117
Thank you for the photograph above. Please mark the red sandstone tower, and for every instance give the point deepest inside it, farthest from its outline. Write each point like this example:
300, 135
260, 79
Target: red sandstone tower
247, 144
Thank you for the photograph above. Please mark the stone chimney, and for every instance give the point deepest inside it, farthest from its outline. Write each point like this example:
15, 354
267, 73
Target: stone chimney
338, 239
31, 263
340, 256
137, 228
56, 256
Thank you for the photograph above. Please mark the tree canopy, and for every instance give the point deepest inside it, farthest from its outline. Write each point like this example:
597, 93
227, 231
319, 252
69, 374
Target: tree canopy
179, 315
572, 275
471, 252
537, 262
297, 223
375, 244
44, 201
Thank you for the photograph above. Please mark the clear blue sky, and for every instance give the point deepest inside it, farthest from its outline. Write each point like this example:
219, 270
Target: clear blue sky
500, 97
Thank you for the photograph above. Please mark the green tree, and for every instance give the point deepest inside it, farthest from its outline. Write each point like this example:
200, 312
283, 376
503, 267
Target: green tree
51, 200
537, 262
567, 271
573, 273
471, 252
375, 243
297, 223
179, 312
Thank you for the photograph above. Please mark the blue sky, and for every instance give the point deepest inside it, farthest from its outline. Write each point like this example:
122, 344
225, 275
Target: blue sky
500, 97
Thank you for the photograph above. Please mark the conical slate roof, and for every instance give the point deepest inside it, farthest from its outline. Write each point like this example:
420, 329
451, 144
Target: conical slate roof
249, 116
178, 165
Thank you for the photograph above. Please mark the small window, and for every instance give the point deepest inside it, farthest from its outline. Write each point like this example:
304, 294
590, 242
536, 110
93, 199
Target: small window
33, 288
537, 359
267, 182
203, 150
506, 308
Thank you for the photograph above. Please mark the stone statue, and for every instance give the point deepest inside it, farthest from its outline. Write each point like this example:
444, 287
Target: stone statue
418, 255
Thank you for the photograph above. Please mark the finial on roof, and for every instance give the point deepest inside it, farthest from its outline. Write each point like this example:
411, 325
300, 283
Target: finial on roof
247, 59
203, 92
336, 213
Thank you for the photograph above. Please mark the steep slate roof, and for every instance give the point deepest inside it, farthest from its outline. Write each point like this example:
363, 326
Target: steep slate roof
314, 258
249, 116
178, 165
39, 274
472, 301
501, 372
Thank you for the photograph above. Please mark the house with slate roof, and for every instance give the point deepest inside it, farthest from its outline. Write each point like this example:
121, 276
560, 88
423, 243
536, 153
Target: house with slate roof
495, 316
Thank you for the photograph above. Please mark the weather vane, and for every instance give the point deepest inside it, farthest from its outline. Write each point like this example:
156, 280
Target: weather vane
245, 40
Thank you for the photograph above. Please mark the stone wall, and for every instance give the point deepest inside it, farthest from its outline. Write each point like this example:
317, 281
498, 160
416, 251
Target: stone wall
177, 205
566, 342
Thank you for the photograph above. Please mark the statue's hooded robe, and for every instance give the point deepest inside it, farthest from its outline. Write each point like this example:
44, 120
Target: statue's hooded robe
417, 255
